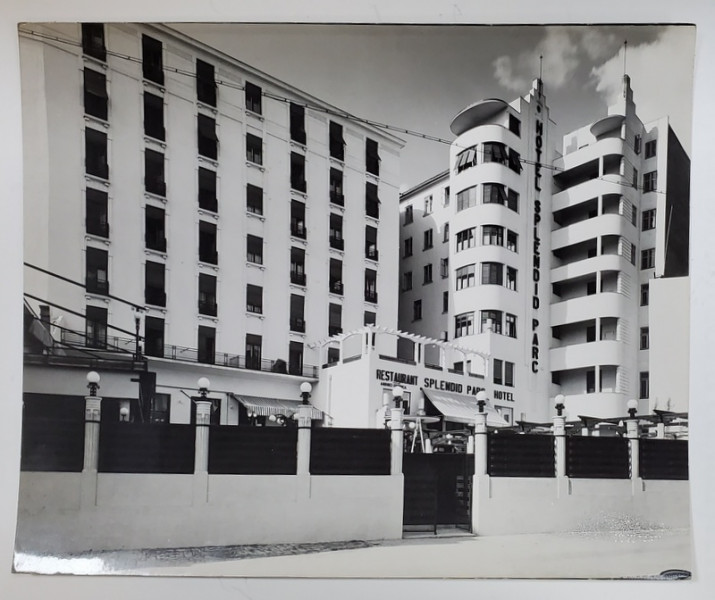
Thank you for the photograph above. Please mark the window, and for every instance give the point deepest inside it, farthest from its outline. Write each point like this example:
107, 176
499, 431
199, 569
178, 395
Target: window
254, 348
336, 232
465, 277
514, 125
97, 222
205, 83
445, 201
490, 319
591, 287
492, 273
417, 310
644, 385
514, 161
494, 152
427, 239
96, 327
95, 94
464, 324
512, 241
498, 371
297, 123
297, 219
254, 249
645, 338
207, 345
427, 274
444, 267
492, 235
372, 158
154, 284
370, 285
152, 60
407, 247
297, 313
634, 215
428, 206
511, 278
512, 200
445, 302
154, 229
254, 299
95, 145
369, 318
508, 374
650, 148
510, 325
253, 98
207, 139
335, 319
297, 172
207, 295
254, 199
93, 41
336, 276
297, 266
336, 187
648, 258
371, 242
467, 198
295, 358
466, 159
96, 273
465, 239
650, 181
644, 294
445, 233
409, 216
154, 182
648, 219
333, 355
407, 281
160, 408
493, 193
590, 333
154, 116
634, 183
637, 142
590, 381
372, 202
207, 243
254, 150
154, 337
633, 254
207, 190
337, 143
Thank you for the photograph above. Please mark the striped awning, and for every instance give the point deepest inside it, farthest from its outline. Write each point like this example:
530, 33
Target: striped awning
463, 409
274, 406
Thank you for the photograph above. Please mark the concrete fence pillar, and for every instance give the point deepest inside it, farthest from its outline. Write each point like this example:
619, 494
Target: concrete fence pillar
632, 435
396, 438
203, 420
304, 432
480, 444
92, 414
560, 445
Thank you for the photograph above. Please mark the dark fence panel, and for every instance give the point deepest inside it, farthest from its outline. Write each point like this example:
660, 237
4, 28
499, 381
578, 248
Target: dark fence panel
146, 448
252, 450
663, 459
513, 455
597, 457
52, 444
337, 451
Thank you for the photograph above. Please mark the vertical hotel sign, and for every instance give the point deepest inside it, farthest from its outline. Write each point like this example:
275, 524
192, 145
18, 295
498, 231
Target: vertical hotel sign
536, 256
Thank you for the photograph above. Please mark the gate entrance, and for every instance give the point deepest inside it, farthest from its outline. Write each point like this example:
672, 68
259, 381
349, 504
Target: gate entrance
438, 491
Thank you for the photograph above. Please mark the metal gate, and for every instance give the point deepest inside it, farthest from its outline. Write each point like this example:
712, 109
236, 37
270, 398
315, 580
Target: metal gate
438, 491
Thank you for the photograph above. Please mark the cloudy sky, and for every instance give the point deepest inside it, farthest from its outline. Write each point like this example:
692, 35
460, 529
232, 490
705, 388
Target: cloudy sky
420, 77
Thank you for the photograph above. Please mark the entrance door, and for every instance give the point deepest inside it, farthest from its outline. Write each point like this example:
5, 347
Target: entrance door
438, 491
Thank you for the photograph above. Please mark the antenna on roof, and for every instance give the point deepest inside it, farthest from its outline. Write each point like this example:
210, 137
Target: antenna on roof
625, 52
541, 65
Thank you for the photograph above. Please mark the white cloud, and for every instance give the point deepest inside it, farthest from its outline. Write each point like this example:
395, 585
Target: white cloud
597, 44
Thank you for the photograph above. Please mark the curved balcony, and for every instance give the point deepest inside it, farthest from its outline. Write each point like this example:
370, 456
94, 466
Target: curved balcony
601, 404
591, 152
489, 172
486, 297
577, 356
585, 308
477, 114
582, 231
491, 214
605, 262
583, 192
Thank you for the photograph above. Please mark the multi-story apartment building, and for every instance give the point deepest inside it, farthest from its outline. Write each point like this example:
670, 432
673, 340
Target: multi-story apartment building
219, 207
547, 257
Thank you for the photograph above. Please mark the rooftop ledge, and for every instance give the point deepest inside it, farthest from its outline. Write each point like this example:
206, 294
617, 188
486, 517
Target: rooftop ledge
476, 114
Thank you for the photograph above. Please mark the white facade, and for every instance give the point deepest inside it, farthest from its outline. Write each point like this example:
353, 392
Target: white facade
550, 255
232, 222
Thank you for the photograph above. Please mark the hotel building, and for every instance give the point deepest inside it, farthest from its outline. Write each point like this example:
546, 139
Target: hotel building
548, 261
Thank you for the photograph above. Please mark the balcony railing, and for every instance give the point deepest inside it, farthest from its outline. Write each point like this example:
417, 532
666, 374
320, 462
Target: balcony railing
209, 257
337, 242
297, 278
335, 330
370, 296
336, 287
155, 296
94, 286
337, 198
298, 325
156, 243
371, 252
298, 230
208, 307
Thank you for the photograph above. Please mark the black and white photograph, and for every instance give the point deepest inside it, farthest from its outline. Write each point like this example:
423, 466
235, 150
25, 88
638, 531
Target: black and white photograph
356, 301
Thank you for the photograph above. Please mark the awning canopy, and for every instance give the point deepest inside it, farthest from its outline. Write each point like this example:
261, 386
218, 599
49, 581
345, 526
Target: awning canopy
463, 409
274, 406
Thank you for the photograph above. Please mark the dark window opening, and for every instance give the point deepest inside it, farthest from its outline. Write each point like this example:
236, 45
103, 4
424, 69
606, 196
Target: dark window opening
207, 295
336, 187
160, 409
333, 355
417, 310
297, 313
154, 116
590, 381
644, 294
207, 345
372, 157
253, 98
205, 83
297, 123
295, 358
591, 333
297, 266
96, 327
254, 347
97, 221
590, 288
207, 190
336, 276
254, 299
370, 285
297, 172
644, 385
254, 249
509, 374
208, 141
97, 268
650, 148
96, 153
407, 248
371, 242
372, 202
337, 143
154, 181
492, 273
498, 371
153, 336
515, 161
152, 60
154, 284
369, 318
254, 149
445, 302
514, 125
93, 41
95, 94
254, 199
297, 219
494, 152
335, 319
336, 232
155, 232
207, 243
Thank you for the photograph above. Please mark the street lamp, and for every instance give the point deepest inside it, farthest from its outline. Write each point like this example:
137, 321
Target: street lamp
305, 389
559, 406
481, 400
203, 384
93, 382
632, 408
397, 392
124, 413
